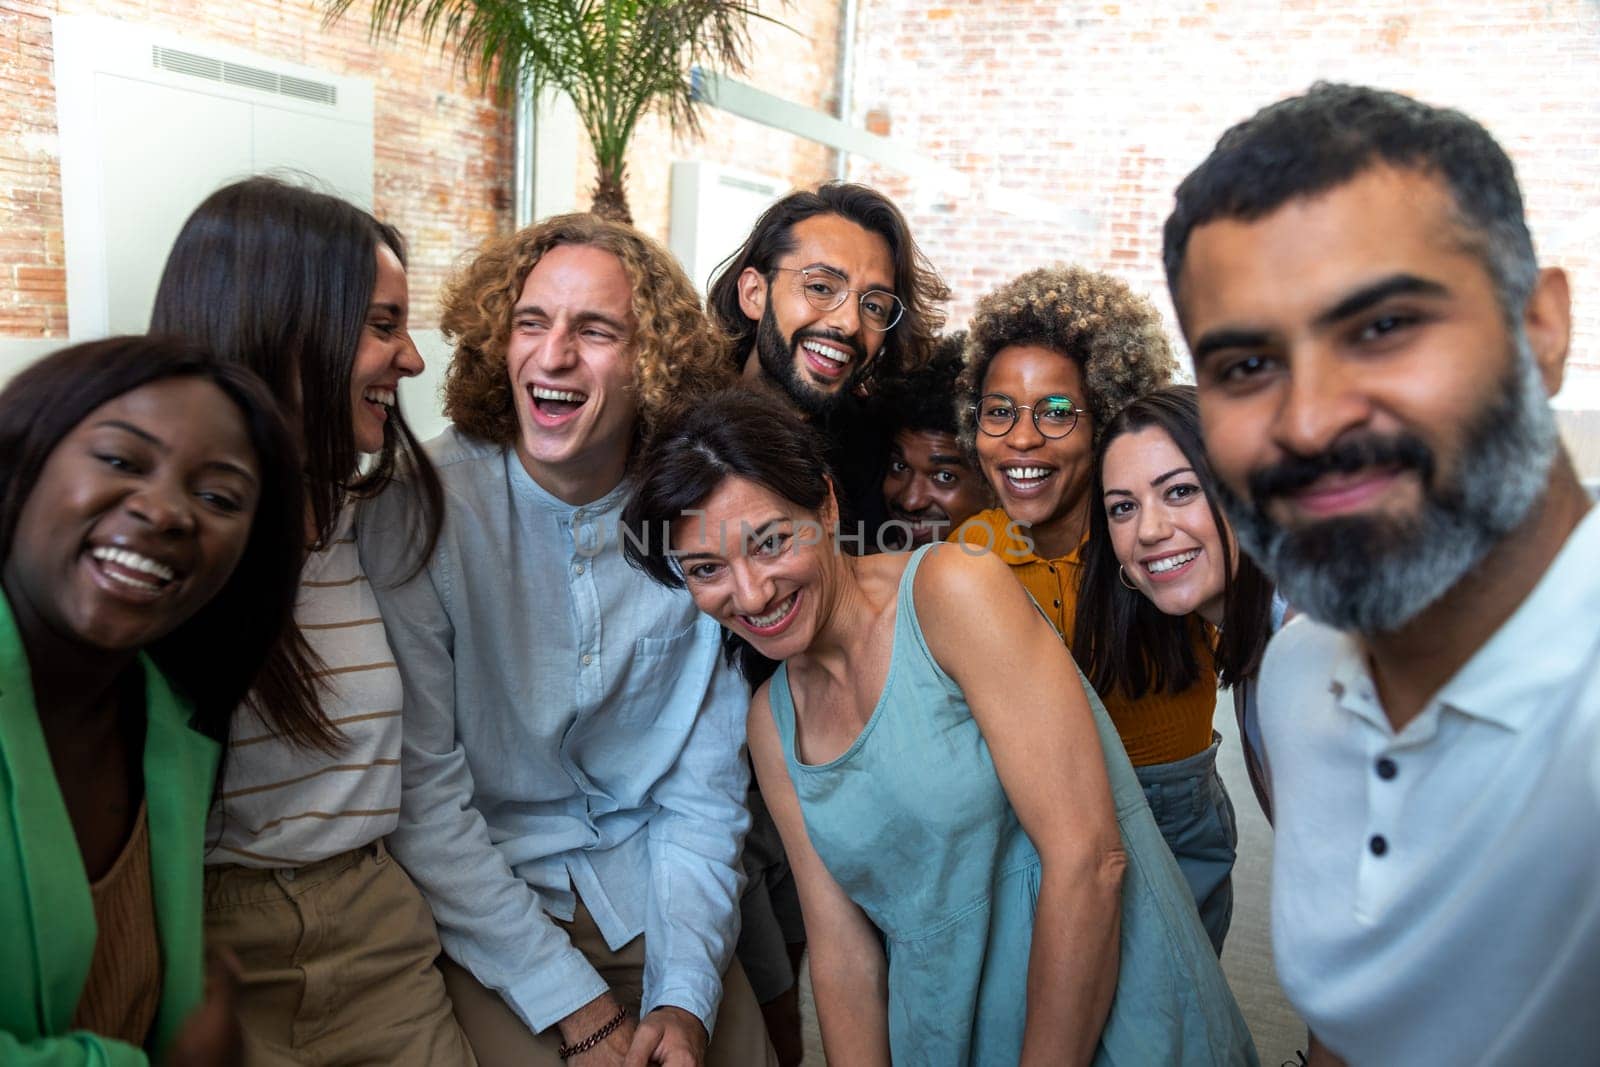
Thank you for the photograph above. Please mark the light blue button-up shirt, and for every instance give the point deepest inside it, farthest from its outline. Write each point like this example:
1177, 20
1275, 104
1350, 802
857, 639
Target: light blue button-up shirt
570, 727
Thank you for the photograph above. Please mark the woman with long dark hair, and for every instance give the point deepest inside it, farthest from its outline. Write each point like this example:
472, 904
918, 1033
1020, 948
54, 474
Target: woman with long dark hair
981, 880
337, 946
149, 514
1161, 561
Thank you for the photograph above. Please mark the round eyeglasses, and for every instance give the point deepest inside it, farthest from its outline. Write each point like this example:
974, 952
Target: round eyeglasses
1053, 416
825, 291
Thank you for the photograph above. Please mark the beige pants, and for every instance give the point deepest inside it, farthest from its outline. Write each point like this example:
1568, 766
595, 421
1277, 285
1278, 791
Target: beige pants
501, 1040
340, 964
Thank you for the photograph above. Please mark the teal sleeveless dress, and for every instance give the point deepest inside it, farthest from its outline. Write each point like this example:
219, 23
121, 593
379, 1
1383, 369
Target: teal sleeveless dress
913, 824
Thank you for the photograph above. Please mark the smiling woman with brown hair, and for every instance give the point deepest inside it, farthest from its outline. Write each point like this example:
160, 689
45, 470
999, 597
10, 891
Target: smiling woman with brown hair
1161, 565
982, 882
149, 525
335, 942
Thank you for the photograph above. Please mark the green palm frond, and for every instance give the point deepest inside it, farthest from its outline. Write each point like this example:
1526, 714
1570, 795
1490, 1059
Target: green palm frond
616, 59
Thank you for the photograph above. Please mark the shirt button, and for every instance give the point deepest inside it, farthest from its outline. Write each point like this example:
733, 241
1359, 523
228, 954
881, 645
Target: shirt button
1378, 845
1386, 768
1058, 603
577, 569
587, 659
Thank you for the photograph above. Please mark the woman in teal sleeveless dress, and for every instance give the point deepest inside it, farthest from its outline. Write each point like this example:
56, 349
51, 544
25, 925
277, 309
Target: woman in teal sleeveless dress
982, 880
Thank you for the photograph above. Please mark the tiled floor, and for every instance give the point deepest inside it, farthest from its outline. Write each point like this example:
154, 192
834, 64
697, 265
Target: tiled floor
1247, 956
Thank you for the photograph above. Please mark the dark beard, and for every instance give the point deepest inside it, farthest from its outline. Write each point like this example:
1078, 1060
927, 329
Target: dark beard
1376, 574
776, 354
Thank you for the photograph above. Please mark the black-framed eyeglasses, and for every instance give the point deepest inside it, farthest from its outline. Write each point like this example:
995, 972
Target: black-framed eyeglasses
1053, 416
825, 291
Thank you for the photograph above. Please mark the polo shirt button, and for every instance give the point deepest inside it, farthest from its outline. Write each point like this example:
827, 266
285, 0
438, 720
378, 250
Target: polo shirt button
1386, 768
1378, 845
587, 659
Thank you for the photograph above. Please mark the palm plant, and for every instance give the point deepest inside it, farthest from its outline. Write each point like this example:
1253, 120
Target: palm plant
616, 59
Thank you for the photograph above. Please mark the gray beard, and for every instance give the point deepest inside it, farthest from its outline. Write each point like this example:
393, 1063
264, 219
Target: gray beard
1374, 575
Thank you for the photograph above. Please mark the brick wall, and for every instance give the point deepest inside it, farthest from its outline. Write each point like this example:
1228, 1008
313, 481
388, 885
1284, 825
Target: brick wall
442, 150
443, 169
1102, 107
1096, 108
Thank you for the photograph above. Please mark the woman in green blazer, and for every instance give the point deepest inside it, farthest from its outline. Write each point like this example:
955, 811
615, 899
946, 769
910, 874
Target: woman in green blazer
150, 530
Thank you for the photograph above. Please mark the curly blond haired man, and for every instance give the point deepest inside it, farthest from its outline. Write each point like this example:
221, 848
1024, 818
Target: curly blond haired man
574, 777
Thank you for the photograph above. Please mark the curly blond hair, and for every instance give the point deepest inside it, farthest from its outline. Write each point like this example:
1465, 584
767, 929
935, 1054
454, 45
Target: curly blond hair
1112, 333
677, 350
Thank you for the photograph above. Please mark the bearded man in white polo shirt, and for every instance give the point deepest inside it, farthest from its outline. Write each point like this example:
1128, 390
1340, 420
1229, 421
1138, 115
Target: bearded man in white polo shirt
1375, 346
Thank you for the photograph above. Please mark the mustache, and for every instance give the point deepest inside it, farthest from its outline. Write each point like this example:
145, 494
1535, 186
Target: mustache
858, 353
1402, 451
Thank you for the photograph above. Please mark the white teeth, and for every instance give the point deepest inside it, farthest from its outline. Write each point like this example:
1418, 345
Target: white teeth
1161, 566
837, 355
379, 395
134, 562
1026, 474
761, 622
541, 393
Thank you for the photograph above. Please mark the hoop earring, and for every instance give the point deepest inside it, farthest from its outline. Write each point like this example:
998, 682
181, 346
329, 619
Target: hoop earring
1122, 576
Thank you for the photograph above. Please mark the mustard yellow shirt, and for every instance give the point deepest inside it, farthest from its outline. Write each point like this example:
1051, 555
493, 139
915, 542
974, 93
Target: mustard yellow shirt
1156, 728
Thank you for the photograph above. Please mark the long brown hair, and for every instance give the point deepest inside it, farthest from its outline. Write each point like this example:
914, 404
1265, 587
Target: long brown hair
906, 347
279, 277
1122, 640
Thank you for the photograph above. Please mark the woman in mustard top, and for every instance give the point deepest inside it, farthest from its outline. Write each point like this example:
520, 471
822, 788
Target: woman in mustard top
149, 532
1051, 356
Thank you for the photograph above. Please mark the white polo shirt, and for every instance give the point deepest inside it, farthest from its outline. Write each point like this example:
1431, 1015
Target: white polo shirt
1436, 892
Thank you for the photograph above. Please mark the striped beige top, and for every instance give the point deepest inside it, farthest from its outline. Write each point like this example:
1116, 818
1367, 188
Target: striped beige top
283, 806
123, 989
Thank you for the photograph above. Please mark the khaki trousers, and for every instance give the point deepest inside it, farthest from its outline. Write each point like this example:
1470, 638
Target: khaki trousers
500, 1039
340, 964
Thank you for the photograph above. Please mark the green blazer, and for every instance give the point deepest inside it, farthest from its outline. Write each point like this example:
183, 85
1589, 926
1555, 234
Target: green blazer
47, 927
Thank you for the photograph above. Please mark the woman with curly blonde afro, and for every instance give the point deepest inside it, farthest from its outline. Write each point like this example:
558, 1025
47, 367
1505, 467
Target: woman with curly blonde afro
1051, 357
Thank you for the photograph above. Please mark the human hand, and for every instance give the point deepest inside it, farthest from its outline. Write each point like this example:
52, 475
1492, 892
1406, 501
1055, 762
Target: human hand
612, 1051
668, 1036
210, 1036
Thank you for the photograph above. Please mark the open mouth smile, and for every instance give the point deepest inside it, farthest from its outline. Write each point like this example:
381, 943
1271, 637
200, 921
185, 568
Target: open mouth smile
124, 571
379, 400
1024, 480
827, 360
1168, 566
552, 406
775, 621
922, 524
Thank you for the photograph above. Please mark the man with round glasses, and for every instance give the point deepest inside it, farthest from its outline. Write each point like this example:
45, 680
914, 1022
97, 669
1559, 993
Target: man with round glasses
827, 295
